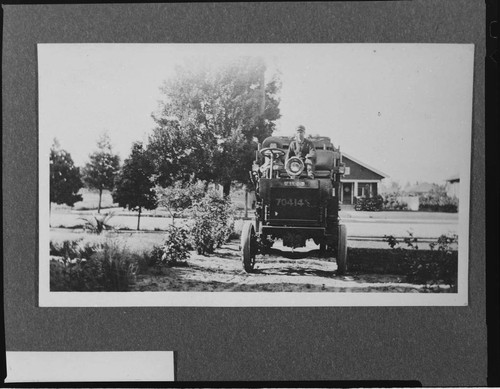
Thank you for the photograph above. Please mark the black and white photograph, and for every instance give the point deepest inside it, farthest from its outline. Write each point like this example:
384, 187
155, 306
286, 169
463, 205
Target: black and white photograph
254, 174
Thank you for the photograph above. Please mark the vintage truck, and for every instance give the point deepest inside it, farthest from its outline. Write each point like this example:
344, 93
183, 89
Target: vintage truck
293, 207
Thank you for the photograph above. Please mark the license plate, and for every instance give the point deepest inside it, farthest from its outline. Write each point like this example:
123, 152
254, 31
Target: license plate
289, 202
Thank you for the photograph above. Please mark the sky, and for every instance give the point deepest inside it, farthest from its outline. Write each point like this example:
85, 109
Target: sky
403, 109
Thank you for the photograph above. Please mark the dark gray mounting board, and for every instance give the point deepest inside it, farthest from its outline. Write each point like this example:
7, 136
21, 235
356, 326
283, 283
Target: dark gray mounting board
439, 346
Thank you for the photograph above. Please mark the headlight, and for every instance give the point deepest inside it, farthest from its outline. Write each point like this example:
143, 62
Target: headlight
294, 167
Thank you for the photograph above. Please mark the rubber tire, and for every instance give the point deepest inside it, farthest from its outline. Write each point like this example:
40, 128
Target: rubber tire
248, 247
342, 250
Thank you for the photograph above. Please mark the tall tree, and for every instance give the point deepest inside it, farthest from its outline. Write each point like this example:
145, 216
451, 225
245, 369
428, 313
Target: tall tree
134, 185
100, 172
209, 118
65, 179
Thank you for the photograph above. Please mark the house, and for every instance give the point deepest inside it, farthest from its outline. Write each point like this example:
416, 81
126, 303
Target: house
453, 186
360, 180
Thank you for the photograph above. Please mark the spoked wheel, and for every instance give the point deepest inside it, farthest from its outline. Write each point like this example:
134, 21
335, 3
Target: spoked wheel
342, 250
248, 247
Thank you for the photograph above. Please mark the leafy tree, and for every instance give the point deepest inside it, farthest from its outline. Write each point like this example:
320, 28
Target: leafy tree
102, 169
208, 120
65, 179
180, 196
134, 185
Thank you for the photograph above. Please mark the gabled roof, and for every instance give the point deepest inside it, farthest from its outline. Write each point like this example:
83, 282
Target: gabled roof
365, 165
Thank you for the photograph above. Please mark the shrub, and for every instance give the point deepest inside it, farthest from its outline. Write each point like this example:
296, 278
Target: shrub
369, 203
180, 196
175, 249
115, 267
391, 202
440, 266
149, 259
72, 249
212, 222
67, 249
98, 223
104, 266
437, 201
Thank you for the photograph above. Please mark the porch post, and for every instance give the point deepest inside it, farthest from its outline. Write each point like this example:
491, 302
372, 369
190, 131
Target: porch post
355, 191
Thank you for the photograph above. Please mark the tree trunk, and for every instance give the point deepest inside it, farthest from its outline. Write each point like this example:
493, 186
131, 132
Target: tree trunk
100, 197
226, 189
139, 220
246, 203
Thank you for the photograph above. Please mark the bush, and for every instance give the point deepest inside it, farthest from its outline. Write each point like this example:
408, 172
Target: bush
437, 201
440, 266
73, 249
391, 202
212, 222
369, 203
98, 223
92, 267
180, 196
175, 249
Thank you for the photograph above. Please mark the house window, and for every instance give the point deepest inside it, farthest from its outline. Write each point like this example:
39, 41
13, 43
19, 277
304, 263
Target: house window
367, 189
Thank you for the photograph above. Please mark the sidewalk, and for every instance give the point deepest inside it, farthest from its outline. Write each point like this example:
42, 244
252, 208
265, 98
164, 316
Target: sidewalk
349, 216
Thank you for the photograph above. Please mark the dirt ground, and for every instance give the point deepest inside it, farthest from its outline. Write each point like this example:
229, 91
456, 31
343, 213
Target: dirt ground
223, 271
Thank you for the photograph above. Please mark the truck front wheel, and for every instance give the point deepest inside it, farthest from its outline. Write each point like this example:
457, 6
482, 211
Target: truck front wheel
248, 247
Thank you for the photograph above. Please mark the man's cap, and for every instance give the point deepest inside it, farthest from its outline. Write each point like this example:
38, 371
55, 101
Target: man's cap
300, 128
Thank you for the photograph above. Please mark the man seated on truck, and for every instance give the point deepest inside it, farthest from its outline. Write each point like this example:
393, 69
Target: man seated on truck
304, 149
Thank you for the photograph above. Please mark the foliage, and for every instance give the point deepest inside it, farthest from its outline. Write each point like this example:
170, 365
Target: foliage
98, 223
180, 196
438, 201
134, 185
393, 187
392, 202
441, 266
176, 248
208, 120
155, 255
100, 172
369, 203
212, 222
65, 179
71, 249
92, 267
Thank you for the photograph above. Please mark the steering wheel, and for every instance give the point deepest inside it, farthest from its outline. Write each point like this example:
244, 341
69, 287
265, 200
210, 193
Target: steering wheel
272, 152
